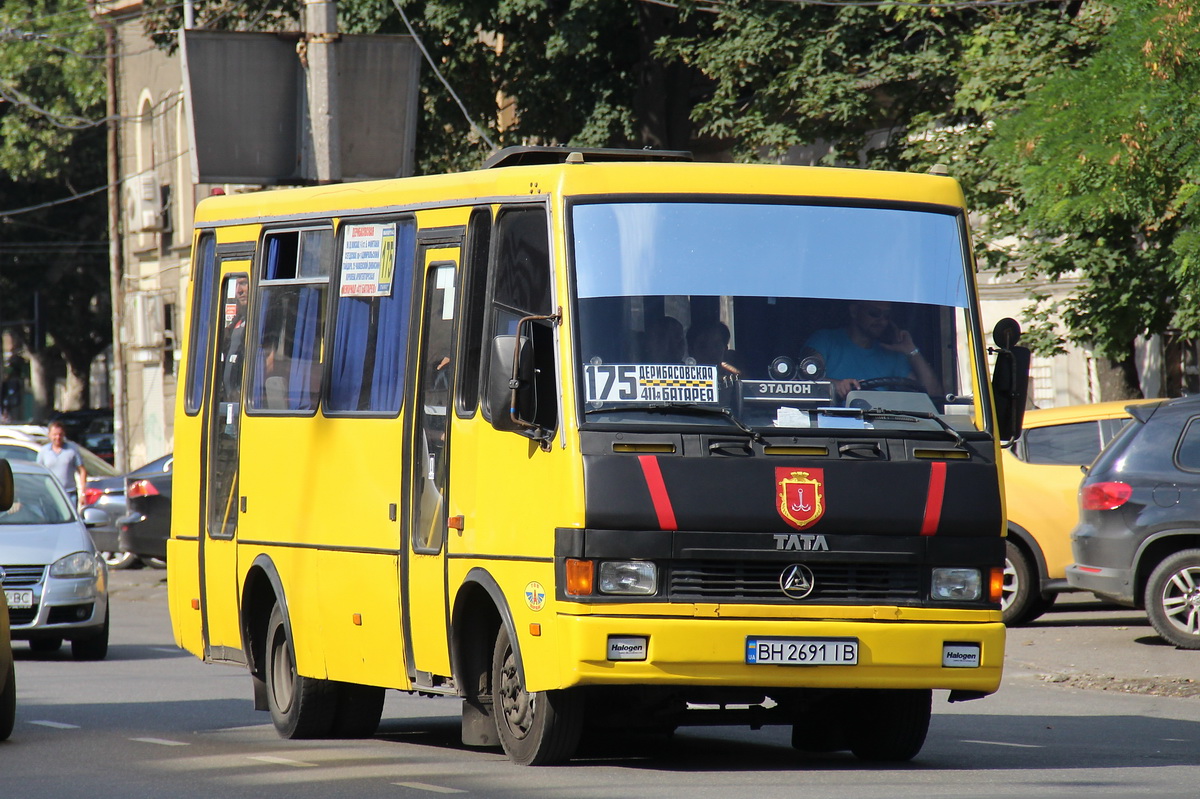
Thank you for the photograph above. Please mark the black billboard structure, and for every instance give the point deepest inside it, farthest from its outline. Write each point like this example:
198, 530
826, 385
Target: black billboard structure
249, 114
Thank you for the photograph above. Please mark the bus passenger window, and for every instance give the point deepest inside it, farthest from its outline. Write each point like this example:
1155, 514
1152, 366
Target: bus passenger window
288, 351
371, 327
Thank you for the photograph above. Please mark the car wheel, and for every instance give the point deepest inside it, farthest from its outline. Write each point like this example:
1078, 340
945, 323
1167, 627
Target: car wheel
536, 729
1173, 599
301, 707
1021, 599
8, 703
94, 647
121, 560
890, 725
45, 646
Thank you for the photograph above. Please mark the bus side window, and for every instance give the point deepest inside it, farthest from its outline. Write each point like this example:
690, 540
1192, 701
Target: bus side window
288, 352
521, 287
204, 286
474, 278
370, 332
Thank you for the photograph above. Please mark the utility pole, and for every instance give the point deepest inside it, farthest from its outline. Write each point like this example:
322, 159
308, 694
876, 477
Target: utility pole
116, 268
320, 23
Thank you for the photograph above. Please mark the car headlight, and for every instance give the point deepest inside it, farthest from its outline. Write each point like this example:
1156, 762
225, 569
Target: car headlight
956, 584
628, 577
77, 564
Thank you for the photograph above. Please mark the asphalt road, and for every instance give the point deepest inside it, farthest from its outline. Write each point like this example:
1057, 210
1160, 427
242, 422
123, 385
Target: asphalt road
1076, 716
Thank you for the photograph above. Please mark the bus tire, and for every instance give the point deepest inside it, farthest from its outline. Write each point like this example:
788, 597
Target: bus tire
535, 729
301, 707
359, 708
890, 725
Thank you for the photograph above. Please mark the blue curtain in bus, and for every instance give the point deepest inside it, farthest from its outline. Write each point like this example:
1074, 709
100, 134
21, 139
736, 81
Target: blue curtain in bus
387, 382
349, 353
272, 257
304, 340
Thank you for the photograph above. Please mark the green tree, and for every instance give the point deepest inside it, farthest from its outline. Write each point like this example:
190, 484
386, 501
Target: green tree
1107, 157
52, 138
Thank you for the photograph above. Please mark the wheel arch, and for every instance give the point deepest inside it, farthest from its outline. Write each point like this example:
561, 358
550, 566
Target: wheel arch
1024, 539
262, 589
1153, 551
479, 611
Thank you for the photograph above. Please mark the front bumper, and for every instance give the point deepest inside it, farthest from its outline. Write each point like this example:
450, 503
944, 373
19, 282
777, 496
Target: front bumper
63, 608
712, 652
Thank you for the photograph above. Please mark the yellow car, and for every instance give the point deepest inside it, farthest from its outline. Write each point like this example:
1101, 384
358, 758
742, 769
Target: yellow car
1042, 473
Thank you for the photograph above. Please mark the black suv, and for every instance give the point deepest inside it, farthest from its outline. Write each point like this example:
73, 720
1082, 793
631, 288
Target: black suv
1138, 539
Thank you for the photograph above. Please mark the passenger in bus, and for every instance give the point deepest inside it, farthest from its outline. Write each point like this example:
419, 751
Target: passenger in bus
871, 346
708, 343
235, 338
665, 342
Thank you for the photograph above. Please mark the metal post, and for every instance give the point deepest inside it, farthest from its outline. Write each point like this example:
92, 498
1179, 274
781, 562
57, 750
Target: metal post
320, 22
115, 255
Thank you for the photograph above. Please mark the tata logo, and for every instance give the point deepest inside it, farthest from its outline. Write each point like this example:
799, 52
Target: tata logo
800, 496
797, 581
804, 542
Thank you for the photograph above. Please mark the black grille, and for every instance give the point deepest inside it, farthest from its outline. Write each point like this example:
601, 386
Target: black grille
832, 582
19, 616
22, 576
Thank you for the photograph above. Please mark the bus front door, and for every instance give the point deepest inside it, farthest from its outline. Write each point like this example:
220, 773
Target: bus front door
426, 604
218, 558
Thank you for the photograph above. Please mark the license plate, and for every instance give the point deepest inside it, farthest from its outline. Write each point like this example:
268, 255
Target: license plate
802, 651
19, 599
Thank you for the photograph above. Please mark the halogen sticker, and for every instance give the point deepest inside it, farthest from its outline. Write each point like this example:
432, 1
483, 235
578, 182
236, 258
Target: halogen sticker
960, 656
651, 383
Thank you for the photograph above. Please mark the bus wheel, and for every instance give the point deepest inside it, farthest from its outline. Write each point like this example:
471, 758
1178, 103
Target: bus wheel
890, 725
359, 708
538, 729
301, 707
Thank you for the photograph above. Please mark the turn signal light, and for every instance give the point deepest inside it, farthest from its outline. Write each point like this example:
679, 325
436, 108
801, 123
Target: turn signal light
1104, 496
580, 577
996, 584
141, 488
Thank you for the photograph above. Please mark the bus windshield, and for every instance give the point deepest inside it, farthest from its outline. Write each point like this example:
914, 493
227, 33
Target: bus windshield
778, 315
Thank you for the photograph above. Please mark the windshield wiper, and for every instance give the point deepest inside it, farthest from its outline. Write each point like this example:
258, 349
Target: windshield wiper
688, 408
908, 416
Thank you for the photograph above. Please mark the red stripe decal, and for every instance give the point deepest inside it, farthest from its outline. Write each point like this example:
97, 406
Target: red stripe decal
933, 502
658, 492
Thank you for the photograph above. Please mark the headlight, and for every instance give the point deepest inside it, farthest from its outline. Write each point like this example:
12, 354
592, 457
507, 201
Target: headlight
957, 584
628, 577
78, 564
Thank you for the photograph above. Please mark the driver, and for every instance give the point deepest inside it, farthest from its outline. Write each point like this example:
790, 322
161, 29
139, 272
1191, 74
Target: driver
871, 346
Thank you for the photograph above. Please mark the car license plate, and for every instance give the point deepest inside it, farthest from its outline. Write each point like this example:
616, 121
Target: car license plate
19, 599
802, 651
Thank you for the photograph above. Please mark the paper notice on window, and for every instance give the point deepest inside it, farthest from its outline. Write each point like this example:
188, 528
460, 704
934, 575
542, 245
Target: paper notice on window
368, 260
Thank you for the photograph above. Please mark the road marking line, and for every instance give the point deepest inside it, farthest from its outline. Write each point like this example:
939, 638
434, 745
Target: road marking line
170, 650
57, 725
1004, 743
421, 786
160, 741
281, 761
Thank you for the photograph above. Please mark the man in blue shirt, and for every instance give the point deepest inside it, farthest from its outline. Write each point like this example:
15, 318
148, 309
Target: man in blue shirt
871, 346
63, 460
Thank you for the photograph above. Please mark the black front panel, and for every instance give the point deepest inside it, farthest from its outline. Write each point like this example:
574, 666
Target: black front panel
885, 494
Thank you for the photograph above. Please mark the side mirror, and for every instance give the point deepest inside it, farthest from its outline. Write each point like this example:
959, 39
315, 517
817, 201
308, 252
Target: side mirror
510, 400
1010, 379
6, 486
94, 517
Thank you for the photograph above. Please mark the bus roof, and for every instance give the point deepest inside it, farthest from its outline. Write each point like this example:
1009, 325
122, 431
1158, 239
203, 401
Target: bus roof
583, 178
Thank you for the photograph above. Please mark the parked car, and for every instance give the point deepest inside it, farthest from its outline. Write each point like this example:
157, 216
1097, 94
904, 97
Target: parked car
1042, 472
8, 675
105, 490
55, 583
144, 530
1138, 538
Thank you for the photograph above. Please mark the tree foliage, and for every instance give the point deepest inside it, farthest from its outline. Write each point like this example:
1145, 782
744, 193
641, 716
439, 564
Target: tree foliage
1107, 157
52, 138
